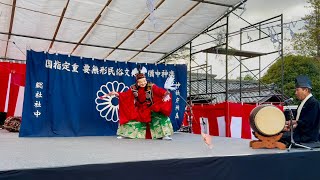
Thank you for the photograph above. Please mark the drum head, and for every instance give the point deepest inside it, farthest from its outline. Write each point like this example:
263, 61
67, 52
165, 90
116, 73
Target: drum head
270, 120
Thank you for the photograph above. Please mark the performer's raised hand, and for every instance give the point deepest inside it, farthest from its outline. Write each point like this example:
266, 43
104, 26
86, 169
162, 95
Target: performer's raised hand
166, 97
112, 93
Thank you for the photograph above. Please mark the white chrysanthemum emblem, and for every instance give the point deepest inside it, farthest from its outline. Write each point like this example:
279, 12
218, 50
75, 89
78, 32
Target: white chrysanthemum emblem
109, 106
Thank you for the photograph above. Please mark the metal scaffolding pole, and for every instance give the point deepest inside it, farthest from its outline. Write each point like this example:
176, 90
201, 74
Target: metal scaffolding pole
227, 72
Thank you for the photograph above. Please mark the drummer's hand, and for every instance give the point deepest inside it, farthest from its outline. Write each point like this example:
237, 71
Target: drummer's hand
286, 128
288, 125
295, 123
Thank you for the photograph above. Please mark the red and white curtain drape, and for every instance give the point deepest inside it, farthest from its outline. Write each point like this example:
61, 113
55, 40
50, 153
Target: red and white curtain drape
12, 83
225, 119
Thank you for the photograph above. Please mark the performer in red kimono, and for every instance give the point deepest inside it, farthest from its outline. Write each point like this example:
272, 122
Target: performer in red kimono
144, 111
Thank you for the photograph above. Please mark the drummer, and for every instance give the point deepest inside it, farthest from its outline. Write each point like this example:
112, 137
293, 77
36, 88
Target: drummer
306, 123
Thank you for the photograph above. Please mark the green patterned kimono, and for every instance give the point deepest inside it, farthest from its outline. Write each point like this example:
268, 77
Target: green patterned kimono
160, 126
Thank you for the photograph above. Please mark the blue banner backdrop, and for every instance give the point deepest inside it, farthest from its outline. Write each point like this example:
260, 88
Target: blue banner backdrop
62, 94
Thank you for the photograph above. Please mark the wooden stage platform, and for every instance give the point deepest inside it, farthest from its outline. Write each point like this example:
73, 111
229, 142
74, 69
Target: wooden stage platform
185, 157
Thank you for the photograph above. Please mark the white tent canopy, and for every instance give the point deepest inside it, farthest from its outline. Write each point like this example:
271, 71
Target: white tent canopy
121, 30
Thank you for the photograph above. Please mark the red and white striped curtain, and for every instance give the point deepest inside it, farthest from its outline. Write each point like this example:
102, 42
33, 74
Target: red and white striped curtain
12, 82
225, 119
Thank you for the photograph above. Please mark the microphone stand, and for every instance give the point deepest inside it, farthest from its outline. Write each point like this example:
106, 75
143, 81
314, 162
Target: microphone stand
292, 142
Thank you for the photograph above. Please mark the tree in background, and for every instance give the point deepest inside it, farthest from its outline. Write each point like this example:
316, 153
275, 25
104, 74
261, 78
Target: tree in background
294, 66
247, 77
308, 42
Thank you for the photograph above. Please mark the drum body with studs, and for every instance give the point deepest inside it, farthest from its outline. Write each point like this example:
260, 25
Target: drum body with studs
267, 120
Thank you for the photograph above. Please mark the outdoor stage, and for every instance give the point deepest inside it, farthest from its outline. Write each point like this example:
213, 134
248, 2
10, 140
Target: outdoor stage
185, 157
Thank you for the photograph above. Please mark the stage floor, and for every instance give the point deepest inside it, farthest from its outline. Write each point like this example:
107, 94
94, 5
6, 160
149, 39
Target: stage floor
29, 153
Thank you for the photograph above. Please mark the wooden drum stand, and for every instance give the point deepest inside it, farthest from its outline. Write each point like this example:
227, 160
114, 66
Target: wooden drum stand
268, 142
267, 122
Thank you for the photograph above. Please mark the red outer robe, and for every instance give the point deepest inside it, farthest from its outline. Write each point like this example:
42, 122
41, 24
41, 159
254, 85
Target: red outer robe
130, 110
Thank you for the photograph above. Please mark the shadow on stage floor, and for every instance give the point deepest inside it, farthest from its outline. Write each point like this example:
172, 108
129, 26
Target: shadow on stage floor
185, 157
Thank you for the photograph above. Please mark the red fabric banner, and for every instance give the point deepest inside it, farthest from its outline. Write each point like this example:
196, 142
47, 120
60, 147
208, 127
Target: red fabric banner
4, 78
225, 119
17, 72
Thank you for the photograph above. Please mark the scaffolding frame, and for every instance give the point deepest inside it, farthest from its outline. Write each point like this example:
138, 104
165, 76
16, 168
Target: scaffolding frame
243, 55
258, 27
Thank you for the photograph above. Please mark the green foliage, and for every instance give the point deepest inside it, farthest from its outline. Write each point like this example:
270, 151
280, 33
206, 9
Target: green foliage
294, 66
307, 43
247, 77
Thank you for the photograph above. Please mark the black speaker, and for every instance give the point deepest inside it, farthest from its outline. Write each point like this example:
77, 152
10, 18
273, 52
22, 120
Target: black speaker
3, 116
